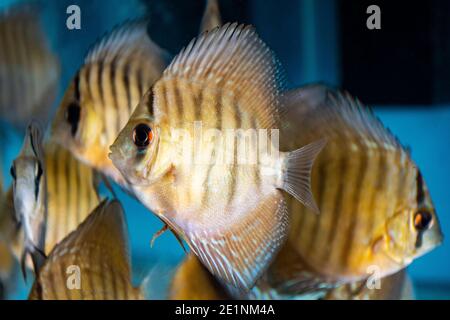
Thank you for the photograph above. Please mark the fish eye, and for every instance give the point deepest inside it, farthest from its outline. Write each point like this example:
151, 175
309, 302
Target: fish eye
13, 172
142, 135
422, 220
72, 116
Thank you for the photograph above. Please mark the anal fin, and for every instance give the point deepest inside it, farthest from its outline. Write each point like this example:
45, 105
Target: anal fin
238, 253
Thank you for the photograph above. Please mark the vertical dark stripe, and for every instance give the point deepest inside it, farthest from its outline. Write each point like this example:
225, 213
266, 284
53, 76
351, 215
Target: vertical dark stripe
100, 84
150, 99
56, 198
77, 87
356, 216
126, 82
140, 82
381, 167
211, 164
337, 208
87, 79
420, 195
67, 212
234, 175
315, 231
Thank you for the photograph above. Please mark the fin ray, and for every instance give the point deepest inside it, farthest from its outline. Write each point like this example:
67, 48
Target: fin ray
297, 177
240, 254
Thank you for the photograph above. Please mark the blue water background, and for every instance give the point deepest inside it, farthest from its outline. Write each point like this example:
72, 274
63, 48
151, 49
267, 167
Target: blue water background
307, 45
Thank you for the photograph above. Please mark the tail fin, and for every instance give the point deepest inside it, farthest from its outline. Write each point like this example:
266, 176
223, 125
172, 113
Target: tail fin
297, 174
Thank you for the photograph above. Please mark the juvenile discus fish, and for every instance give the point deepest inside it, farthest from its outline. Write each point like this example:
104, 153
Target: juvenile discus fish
117, 71
377, 214
71, 197
30, 196
91, 263
29, 70
192, 153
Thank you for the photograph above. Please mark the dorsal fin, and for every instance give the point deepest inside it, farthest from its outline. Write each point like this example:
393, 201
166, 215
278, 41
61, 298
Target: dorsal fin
211, 16
33, 142
104, 227
232, 59
127, 41
320, 111
99, 249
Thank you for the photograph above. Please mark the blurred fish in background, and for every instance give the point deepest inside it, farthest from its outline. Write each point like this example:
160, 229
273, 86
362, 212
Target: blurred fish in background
375, 206
96, 256
29, 70
30, 197
71, 196
117, 71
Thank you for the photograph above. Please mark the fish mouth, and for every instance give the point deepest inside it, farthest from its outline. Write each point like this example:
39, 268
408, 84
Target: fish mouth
117, 157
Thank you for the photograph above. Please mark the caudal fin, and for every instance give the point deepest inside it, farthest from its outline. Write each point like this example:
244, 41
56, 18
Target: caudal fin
297, 175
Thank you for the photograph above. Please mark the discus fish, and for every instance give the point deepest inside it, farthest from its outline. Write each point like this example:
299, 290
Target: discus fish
117, 71
30, 196
192, 281
211, 190
71, 197
91, 263
211, 16
375, 206
29, 71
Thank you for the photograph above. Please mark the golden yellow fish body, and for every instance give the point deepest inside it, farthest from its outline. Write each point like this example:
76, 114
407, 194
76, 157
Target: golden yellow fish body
71, 191
91, 263
198, 151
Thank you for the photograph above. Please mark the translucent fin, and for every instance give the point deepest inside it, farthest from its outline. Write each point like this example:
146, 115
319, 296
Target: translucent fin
316, 111
99, 249
297, 175
211, 16
128, 41
231, 59
238, 254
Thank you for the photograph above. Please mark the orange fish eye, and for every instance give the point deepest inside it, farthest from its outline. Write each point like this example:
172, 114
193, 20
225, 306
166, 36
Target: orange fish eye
422, 220
142, 135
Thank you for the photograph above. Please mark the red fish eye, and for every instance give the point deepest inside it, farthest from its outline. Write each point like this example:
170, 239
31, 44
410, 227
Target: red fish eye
422, 220
142, 135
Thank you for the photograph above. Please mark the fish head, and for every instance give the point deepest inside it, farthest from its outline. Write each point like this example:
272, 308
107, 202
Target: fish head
135, 150
414, 230
78, 127
27, 172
